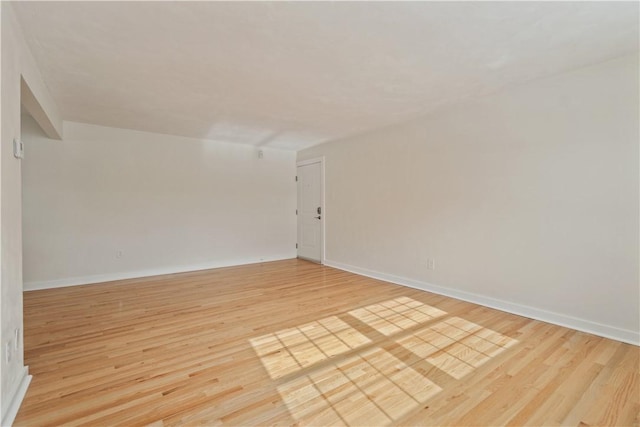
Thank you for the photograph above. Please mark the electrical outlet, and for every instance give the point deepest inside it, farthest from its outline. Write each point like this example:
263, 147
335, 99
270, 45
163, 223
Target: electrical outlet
431, 263
8, 350
118, 254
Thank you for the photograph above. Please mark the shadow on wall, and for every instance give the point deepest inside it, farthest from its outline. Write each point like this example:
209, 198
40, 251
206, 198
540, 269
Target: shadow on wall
392, 355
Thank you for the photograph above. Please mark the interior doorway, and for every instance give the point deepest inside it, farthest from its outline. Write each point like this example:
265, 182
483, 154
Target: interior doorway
311, 212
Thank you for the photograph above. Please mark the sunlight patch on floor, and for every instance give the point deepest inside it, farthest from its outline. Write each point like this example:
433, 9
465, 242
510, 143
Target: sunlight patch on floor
396, 315
291, 349
456, 346
383, 386
371, 385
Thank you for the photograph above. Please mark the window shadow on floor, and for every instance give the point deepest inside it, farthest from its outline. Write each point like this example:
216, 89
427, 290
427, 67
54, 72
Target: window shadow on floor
374, 364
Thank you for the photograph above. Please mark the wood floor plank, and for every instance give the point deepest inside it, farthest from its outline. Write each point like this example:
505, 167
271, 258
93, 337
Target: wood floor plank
295, 343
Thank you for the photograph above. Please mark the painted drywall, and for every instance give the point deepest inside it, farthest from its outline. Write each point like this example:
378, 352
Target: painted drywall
528, 198
109, 203
292, 74
17, 65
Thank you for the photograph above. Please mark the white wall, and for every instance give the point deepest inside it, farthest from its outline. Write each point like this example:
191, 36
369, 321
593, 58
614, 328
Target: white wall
167, 203
527, 200
16, 63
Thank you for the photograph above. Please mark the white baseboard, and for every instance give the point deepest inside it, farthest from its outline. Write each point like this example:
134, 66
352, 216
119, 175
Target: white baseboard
16, 401
583, 325
110, 277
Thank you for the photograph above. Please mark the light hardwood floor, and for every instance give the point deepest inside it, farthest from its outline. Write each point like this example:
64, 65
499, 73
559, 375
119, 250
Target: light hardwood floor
292, 342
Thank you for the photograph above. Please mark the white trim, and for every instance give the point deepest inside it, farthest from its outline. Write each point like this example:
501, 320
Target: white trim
110, 277
12, 410
607, 331
315, 261
323, 206
310, 161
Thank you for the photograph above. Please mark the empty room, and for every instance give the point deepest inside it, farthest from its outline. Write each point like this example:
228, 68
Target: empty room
320, 213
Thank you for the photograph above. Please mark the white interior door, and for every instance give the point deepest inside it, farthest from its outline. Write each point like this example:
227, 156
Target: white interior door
310, 212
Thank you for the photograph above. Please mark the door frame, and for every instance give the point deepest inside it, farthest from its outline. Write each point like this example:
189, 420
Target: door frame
323, 209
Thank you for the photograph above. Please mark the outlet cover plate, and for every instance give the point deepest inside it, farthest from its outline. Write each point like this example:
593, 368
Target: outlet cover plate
18, 149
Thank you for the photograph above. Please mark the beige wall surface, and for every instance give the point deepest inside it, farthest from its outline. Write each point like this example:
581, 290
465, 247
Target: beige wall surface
109, 203
17, 64
527, 200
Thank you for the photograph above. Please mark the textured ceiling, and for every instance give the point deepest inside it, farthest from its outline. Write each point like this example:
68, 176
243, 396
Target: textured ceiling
291, 75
